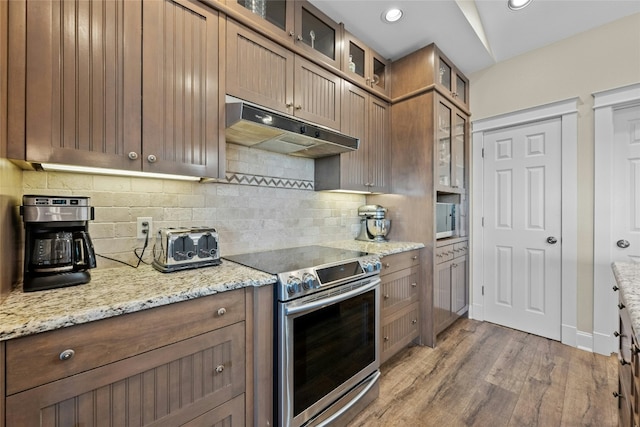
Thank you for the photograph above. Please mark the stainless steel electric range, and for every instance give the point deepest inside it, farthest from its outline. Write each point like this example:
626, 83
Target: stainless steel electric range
326, 327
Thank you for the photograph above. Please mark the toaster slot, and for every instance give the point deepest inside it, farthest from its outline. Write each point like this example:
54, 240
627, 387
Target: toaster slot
183, 248
207, 246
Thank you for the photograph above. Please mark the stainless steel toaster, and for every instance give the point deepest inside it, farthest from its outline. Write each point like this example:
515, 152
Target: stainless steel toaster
183, 248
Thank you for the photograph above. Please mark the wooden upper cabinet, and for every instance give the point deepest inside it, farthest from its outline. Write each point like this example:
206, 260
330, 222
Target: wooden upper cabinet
82, 82
450, 146
285, 82
365, 65
369, 167
180, 111
247, 52
295, 22
426, 68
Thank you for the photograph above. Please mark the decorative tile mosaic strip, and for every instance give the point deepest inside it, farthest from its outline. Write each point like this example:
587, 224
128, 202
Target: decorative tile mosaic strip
268, 181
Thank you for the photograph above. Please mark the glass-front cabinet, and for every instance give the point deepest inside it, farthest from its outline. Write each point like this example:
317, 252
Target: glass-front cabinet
365, 65
451, 135
451, 79
297, 21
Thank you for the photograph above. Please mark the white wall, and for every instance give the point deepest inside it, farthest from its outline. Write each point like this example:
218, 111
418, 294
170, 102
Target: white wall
596, 60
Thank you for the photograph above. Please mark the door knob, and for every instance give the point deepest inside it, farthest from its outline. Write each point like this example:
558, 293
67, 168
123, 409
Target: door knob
624, 244
552, 240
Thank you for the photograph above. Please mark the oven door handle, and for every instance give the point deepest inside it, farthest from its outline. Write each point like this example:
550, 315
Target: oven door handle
331, 300
355, 400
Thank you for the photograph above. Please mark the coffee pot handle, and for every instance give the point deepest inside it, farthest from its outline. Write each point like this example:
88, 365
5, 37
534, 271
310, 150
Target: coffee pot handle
88, 256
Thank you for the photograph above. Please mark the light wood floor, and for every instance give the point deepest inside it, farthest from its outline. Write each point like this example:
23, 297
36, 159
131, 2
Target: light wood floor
481, 374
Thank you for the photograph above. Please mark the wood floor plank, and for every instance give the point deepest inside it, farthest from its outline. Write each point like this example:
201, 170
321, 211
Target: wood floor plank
482, 374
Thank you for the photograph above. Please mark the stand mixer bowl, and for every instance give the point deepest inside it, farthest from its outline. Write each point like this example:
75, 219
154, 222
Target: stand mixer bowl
378, 228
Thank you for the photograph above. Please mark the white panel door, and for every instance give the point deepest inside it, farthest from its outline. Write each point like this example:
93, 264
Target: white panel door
522, 227
625, 209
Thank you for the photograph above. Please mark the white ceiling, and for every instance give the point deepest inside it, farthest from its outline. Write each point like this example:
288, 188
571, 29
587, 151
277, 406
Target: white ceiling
508, 33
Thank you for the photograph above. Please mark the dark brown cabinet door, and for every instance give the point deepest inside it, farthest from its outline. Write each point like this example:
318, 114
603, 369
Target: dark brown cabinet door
317, 94
180, 110
83, 82
365, 65
379, 146
459, 288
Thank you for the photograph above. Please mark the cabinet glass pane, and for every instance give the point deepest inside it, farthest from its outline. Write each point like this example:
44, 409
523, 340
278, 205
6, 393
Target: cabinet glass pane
461, 89
444, 145
378, 73
274, 11
444, 74
356, 57
458, 141
318, 34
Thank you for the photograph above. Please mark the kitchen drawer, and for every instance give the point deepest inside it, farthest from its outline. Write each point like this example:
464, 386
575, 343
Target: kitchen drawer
36, 359
460, 249
396, 262
168, 386
444, 253
399, 289
399, 330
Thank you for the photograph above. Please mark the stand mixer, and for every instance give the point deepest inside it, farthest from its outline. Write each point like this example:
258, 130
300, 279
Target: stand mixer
373, 225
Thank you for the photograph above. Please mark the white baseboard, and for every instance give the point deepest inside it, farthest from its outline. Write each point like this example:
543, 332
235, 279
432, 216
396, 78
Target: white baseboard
605, 344
569, 335
475, 312
584, 341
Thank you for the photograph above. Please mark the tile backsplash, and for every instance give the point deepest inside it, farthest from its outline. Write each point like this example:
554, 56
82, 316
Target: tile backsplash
250, 216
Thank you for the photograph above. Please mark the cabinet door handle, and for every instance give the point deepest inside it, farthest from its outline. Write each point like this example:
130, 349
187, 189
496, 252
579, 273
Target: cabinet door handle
133, 155
289, 104
414, 284
152, 158
219, 369
414, 321
292, 34
386, 338
299, 38
222, 311
67, 354
386, 296
298, 107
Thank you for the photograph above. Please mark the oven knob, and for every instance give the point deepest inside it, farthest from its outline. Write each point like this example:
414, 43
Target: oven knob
309, 281
293, 285
368, 267
377, 265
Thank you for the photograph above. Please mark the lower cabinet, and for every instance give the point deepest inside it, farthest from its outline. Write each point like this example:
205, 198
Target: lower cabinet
451, 290
399, 292
628, 372
195, 380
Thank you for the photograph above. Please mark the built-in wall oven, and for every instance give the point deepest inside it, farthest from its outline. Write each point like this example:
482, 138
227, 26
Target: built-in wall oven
327, 331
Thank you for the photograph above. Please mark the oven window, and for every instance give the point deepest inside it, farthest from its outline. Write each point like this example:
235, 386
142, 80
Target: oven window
330, 346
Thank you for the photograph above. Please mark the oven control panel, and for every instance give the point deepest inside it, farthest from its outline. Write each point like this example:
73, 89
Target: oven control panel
307, 281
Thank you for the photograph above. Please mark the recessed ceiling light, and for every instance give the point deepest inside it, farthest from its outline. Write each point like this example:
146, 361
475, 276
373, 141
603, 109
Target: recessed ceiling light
518, 4
392, 15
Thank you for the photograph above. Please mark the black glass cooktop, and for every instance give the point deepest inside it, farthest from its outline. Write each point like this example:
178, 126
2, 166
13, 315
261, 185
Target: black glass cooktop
292, 259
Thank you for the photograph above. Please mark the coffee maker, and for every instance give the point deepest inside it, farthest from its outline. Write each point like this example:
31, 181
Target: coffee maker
57, 249
373, 225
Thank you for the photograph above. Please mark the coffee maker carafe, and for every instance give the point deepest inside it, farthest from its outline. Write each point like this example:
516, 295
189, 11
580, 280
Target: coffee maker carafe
373, 225
57, 250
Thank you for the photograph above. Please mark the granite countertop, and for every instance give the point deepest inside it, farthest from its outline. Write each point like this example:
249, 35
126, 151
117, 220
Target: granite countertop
627, 276
115, 291
121, 290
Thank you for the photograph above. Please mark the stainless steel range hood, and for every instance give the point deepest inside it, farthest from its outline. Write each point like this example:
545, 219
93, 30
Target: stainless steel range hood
258, 128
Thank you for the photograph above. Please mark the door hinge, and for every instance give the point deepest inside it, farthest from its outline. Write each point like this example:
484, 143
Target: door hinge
483, 153
483, 221
483, 290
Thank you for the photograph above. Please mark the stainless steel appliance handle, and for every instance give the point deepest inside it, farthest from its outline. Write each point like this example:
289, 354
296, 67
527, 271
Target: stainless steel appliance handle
332, 300
350, 404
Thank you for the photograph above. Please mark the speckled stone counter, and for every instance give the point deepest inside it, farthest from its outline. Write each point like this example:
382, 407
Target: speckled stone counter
116, 291
627, 276
381, 249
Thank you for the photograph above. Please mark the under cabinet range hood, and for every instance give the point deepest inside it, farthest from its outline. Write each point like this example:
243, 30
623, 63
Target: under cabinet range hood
255, 127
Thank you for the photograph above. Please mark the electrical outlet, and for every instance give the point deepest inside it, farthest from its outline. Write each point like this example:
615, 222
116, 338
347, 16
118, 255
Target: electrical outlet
145, 225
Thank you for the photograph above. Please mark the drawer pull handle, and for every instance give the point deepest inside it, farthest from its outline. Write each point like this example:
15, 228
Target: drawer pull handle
415, 257
67, 354
387, 265
386, 296
615, 288
621, 306
386, 338
219, 369
618, 395
414, 284
222, 311
618, 334
414, 321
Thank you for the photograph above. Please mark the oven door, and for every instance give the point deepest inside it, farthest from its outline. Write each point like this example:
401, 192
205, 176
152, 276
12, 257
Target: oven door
328, 344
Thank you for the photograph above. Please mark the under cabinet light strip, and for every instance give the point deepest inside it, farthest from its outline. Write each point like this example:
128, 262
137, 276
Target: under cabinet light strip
118, 172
